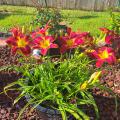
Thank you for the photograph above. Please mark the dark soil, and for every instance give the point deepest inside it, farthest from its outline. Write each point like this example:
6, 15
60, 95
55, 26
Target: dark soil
105, 102
7, 110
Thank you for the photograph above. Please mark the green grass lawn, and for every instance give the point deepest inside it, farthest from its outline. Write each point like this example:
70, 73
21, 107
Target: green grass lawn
82, 20
14, 15
87, 20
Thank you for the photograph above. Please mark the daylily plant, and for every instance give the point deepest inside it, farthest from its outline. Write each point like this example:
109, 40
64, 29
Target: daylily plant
87, 38
68, 81
104, 54
93, 79
108, 35
103, 48
105, 38
19, 42
69, 41
44, 43
40, 31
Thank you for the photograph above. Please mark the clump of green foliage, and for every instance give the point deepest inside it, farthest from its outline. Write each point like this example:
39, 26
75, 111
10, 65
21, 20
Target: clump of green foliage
48, 14
51, 15
115, 22
60, 83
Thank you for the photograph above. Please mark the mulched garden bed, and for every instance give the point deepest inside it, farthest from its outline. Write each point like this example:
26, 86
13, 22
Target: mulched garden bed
105, 102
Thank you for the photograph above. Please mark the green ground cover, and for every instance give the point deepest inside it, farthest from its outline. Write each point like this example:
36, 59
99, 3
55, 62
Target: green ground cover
83, 20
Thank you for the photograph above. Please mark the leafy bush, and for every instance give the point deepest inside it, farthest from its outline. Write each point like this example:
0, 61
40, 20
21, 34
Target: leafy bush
51, 15
115, 22
48, 14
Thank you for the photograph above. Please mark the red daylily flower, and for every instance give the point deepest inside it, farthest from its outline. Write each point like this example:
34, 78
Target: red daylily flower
109, 35
104, 54
41, 31
42, 40
104, 30
87, 38
19, 42
16, 31
44, 43
71, 40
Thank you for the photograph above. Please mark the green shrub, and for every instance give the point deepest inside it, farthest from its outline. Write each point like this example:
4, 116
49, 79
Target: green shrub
49, 15
115, 22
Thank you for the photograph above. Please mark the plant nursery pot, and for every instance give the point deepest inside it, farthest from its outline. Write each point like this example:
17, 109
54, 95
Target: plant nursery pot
47, 110
51, 113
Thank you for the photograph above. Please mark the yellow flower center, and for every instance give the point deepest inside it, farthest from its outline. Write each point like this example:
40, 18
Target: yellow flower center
69, 43
21, 42
104, 54
45, 44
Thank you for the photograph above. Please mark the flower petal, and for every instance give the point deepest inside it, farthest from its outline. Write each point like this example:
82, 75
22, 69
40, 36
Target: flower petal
25, 50
44, 51
37, 40
53, 46
79, 41
69, 30
63, 49
104, 30
11, 41
108, 39
111, 59
51, 38
14, 50
99, 63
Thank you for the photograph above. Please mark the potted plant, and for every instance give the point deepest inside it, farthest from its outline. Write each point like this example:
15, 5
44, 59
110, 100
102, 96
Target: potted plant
62, 82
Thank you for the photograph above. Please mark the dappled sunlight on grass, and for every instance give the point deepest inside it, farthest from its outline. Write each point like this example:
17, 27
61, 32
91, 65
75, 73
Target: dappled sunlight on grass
13, 15
83, 20
87, 20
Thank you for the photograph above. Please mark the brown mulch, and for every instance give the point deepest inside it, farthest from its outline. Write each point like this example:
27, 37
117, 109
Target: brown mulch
106, 103
7, 110
112, 78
